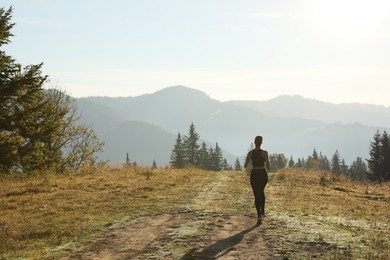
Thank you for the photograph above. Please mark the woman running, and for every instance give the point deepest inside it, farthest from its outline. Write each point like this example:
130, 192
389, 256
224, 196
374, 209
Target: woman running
259, 176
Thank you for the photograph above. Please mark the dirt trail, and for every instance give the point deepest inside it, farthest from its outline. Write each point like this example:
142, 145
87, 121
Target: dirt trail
237, 239
194, 233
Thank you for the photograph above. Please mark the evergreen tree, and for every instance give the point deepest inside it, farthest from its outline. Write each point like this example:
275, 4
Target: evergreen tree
313, 161
237, 165
315, 155
177, 154
291, 162
299, 163
343, 167
376, 159
216, 158
154, 165
336, 163
211, 163
203, 157
324, 162
385, 150
358, 169
191, 146
226, 166
277, 161
38, 128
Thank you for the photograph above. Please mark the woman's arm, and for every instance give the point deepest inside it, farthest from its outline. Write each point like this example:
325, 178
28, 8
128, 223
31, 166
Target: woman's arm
267, 164
248, 159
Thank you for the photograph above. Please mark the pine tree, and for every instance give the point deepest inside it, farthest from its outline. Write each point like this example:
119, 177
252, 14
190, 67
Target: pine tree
177, 154
291, 162
237, 165
38, 128
203, 156
277, 161
336, 163
315, 155
376, 159
154, 164
324, 162
216, 158
343, 167
191, 146
385, 150
226, 166
358, 169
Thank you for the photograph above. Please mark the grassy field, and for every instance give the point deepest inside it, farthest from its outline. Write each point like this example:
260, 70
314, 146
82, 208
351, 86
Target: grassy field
310, 214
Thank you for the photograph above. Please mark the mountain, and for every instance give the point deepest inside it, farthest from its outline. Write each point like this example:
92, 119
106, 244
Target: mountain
172, 109
291, 125
143, 142
298, 106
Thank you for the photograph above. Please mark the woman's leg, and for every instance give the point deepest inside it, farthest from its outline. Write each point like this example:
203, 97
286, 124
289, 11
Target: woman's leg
262, 183
256, 188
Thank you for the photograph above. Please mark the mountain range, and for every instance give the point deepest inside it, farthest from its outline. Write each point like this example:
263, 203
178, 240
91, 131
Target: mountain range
146, 126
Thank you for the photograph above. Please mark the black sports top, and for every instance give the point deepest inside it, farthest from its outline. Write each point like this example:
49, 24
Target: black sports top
257, 159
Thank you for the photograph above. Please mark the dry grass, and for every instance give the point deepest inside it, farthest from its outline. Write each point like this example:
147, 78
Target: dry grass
349, 219
45, 214
311, 214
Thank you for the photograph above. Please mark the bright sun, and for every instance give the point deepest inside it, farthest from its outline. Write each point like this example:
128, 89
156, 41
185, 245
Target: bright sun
352, 18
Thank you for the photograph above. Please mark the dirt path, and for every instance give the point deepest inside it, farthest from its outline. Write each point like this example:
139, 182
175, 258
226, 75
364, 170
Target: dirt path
195, 233
237, 239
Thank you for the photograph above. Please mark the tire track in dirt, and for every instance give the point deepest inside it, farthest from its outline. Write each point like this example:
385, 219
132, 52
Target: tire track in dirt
199, 233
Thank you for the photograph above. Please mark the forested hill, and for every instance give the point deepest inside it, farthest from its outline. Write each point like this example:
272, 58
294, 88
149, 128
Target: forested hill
291, 125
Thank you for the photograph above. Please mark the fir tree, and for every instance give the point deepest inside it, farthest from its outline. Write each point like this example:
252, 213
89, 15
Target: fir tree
177, 154
324, 162
385, 150
216, 158
203, 157
315, 155
343, 167
226, 166
38, 128
191, 146
376, 159
291, 162
277, 161
358, 169
237, 165
154, 165
336, 163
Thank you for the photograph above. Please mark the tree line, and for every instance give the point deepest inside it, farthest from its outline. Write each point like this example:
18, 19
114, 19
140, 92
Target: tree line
187, 152
376, 168
38, 127
336, 164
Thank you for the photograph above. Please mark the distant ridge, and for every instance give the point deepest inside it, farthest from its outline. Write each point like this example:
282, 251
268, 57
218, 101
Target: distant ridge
298, 106
181, 91
292, 125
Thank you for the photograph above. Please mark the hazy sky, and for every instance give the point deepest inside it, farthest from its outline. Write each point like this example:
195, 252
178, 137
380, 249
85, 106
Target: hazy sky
331, 50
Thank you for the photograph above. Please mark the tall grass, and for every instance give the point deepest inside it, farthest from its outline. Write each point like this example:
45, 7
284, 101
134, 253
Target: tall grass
311, 214
349, 217
44, 214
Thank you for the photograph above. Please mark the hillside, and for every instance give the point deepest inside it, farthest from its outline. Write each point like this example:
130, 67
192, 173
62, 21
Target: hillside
143, 142
300, 107
136, 213
291, 125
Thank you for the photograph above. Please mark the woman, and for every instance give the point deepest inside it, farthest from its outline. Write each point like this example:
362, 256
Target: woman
259, 176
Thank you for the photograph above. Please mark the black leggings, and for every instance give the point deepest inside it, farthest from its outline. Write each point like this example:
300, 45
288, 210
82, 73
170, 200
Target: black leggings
259, 179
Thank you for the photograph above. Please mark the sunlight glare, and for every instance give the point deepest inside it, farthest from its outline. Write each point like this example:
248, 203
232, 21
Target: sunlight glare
352, 18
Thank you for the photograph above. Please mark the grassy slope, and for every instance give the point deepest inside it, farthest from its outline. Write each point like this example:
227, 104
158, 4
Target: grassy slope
310, 214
